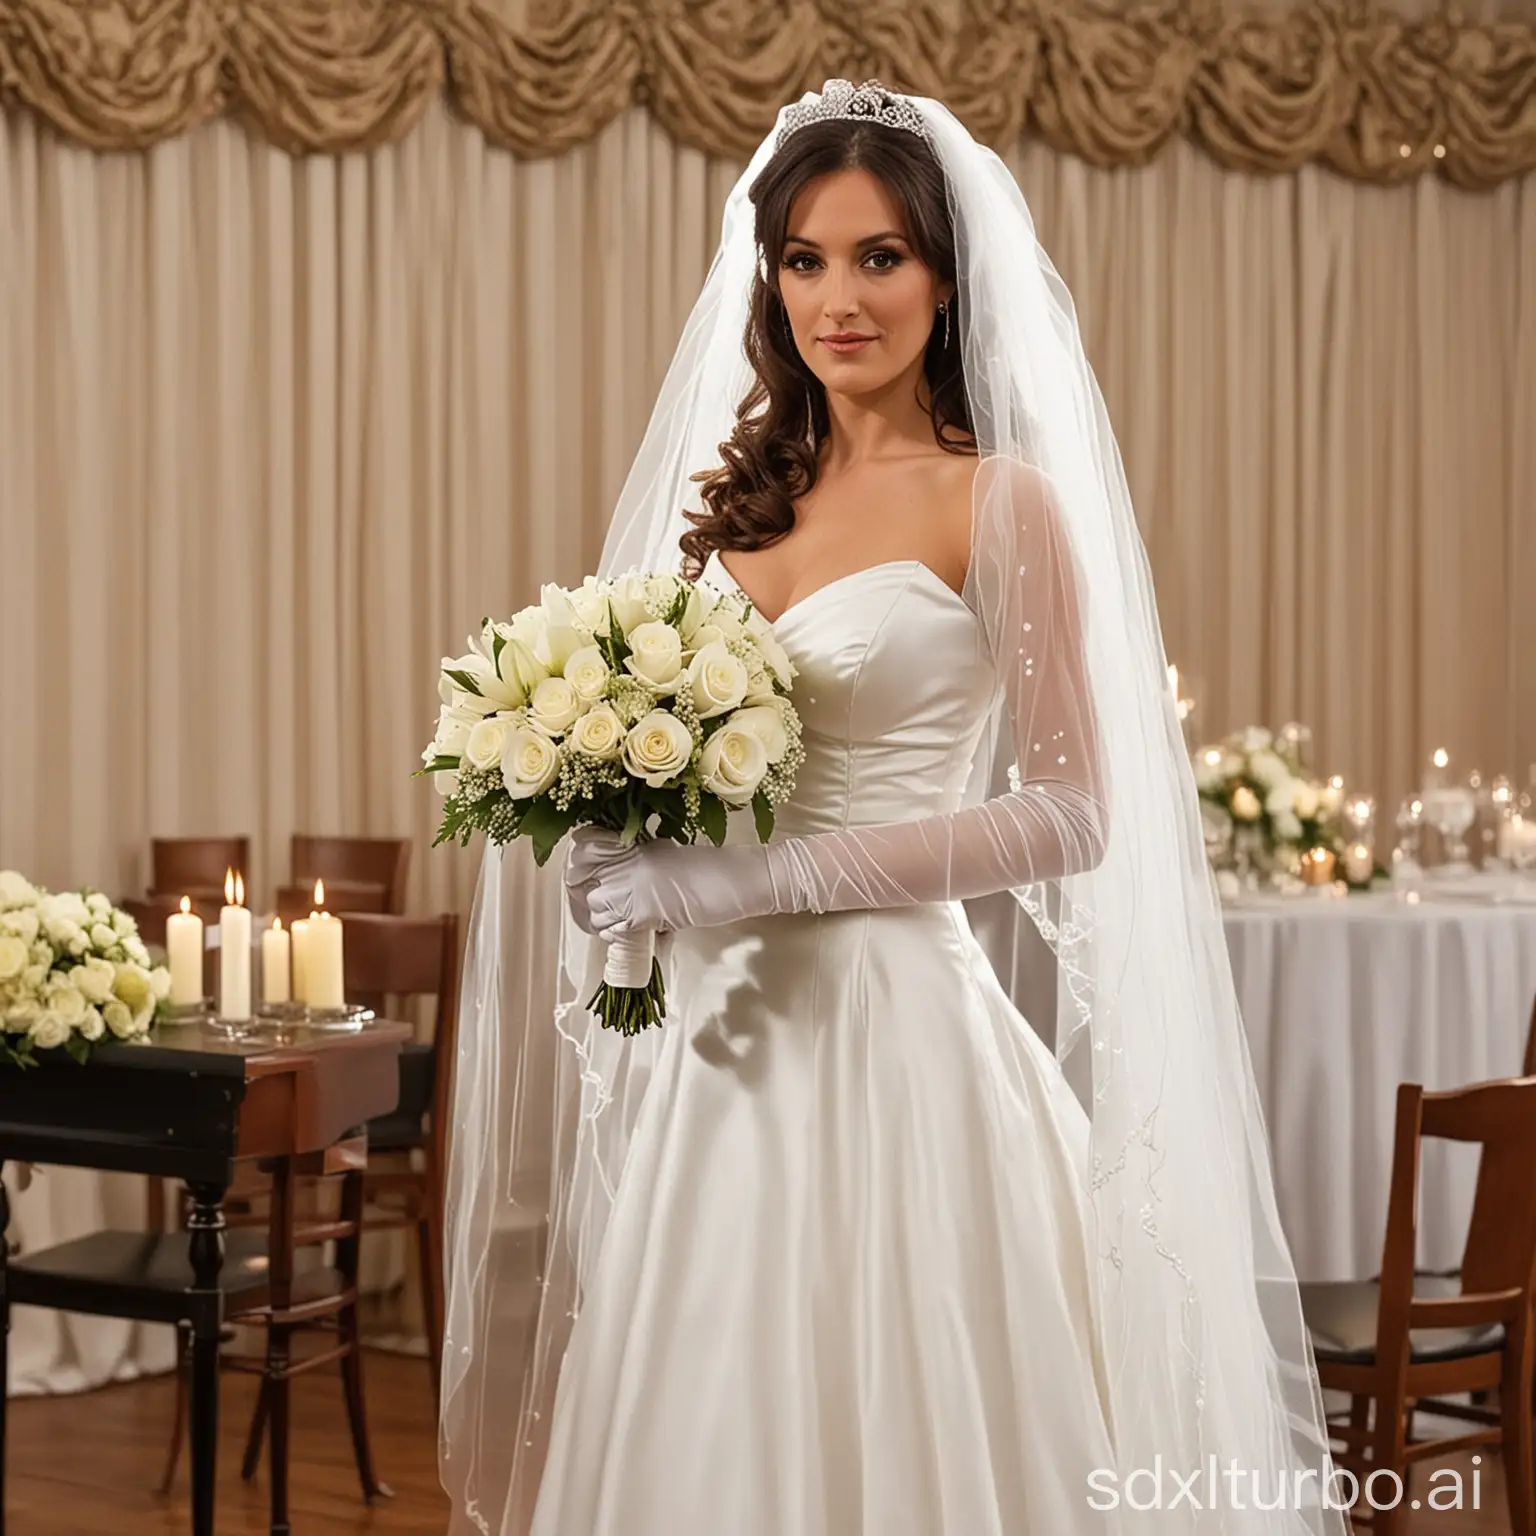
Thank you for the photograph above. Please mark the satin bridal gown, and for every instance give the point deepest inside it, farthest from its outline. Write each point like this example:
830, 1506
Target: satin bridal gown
846, 1288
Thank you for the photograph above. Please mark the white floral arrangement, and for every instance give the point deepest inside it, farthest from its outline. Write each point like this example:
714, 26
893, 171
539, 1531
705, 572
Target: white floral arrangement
73, 970
648, 705
1262, 808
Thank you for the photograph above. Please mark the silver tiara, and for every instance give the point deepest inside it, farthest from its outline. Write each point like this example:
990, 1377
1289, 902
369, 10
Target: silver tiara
870, 102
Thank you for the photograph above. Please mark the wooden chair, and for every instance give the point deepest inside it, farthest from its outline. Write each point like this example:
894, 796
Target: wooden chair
1404, 1342
381, 863
322, 1299
195, 866
389, 960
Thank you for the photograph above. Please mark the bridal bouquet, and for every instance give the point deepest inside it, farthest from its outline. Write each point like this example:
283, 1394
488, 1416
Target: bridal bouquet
1260, 808
73, 970
648, 705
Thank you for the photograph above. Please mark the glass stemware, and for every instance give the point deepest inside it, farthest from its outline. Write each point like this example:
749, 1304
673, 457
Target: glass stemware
1407, 869
1451, 810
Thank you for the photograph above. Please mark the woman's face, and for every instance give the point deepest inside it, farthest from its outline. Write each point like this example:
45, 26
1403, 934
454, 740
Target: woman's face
860, 303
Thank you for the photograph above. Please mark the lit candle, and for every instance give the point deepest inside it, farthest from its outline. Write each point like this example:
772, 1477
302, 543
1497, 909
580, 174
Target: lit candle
1317, 866
323, 967
234, 950
301, 960
184, 951
275, 953
1359, 864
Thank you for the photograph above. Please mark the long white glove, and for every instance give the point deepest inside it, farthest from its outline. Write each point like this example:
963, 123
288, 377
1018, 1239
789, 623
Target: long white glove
1055, 823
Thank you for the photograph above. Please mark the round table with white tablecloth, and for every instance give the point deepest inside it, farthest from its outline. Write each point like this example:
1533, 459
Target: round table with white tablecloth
1342, 1000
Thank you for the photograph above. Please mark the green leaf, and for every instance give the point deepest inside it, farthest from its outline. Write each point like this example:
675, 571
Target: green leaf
762, 814
674, 614
712, 817
439, 765
498, 645
634, 823
79, 1048
545, 825
464, 679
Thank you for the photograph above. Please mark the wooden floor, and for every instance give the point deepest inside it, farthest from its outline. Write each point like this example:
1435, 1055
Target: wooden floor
88, 1464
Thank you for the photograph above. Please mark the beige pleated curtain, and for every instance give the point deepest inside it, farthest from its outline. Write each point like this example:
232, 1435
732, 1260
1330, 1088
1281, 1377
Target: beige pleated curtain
275, 432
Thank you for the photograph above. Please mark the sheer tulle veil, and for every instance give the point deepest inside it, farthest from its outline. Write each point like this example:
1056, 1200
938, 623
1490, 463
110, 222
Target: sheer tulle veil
1206, 1351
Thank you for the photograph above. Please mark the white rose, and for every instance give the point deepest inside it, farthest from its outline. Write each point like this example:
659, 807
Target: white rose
626, 597
65, 1002
1287, 827
22, 921
760, 688
732, 764
553, 706
13, 956
587, 672
1208, 769
1307, 801
656, 655
65, 906
123, 924
484, 746
118, 1019
49, 1031
1255, 738
160, 983
103, 935
41, 953
1245, 804
98, 905
34, 976
93, 1027
15, 891
94, 978
766, 722
530, 762
1267, 769
658, 748
719, 680
760, 632
599, 734
1281, 798
133, 947
136, 991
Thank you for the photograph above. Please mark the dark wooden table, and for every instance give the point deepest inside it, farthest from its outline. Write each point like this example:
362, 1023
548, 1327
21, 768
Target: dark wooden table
186, 1106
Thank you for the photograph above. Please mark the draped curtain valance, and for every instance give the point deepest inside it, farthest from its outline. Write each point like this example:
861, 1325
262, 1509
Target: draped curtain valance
1369, 92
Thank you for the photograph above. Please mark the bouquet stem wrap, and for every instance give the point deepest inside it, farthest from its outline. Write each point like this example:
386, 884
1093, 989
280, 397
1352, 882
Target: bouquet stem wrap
630, 960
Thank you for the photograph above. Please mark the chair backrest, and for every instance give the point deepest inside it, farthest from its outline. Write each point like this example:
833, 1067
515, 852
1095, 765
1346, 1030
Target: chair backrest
1529, 1069
195, 866
386, 956
384, 862
1499, 1117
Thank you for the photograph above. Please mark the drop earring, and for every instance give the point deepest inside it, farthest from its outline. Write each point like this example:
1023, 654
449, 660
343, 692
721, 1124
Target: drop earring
944, 310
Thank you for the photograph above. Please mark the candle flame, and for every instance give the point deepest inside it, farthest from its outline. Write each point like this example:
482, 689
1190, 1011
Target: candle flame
1213, 757
186, 904
1442, 757
229, 887
239, 889
277, 925
1336, 782
319, 895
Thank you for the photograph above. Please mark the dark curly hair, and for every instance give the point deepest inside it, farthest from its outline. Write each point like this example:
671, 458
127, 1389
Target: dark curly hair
772, 457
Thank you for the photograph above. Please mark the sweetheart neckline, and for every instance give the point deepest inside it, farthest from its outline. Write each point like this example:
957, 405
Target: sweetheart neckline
917, 567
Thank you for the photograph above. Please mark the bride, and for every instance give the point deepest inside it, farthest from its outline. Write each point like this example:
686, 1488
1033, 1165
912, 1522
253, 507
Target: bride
838, 1250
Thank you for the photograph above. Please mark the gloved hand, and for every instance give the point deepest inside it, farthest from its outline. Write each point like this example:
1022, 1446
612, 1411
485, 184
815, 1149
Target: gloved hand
664, 886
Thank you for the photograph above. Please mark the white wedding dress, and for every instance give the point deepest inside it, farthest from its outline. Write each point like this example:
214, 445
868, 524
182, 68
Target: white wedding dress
847, 1286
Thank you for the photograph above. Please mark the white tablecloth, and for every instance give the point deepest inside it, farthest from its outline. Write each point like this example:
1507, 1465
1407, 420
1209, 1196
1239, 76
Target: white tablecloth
1342, 1000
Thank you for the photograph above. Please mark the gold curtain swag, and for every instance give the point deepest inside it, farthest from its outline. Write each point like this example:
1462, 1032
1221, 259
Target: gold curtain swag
1372, 94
